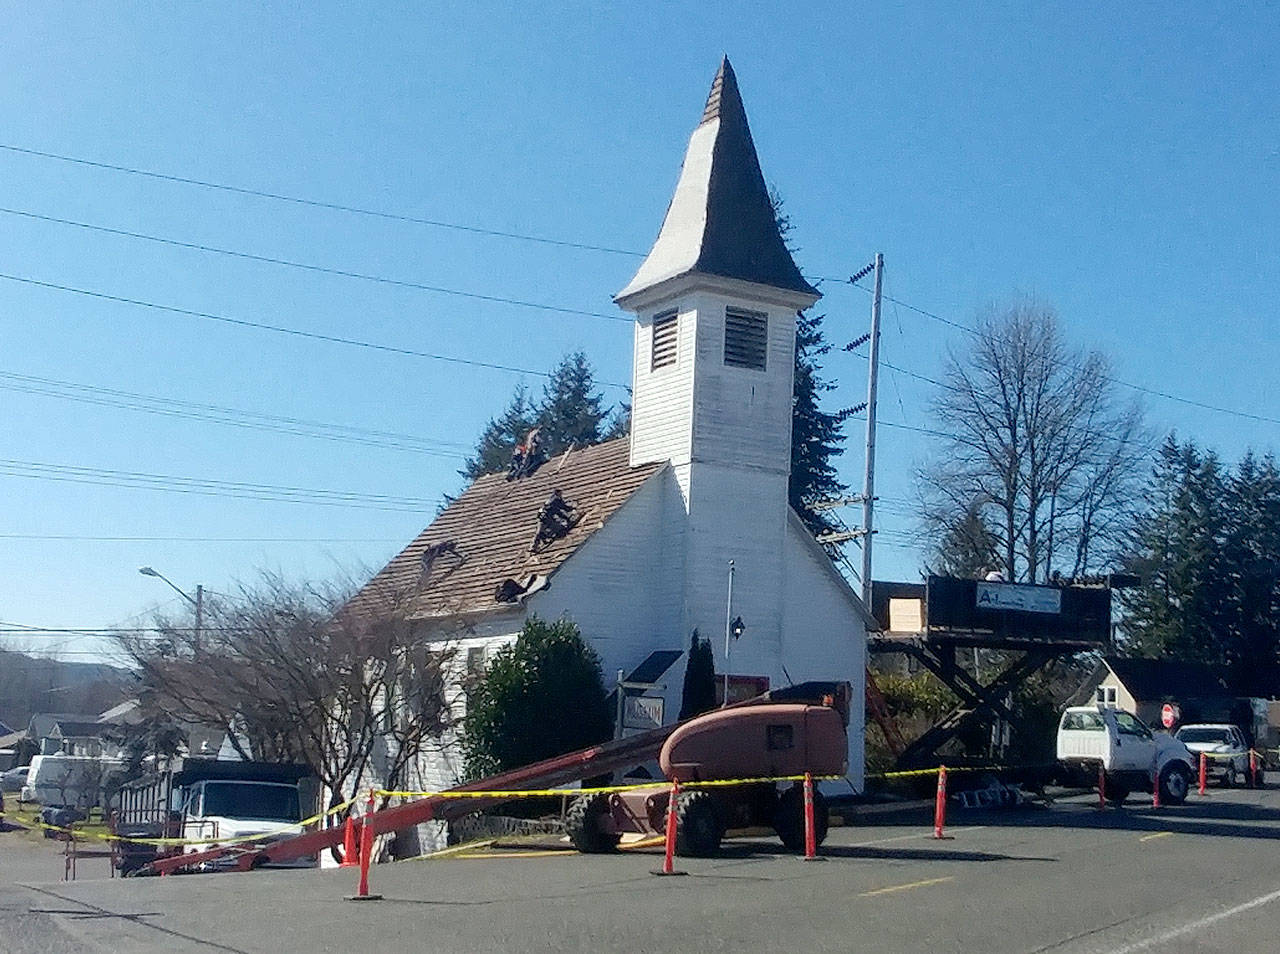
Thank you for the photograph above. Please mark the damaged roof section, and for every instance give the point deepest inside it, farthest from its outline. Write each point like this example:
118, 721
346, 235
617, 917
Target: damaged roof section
479, 554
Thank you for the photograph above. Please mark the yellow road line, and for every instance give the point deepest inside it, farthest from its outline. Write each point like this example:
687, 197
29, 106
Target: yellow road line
905, 887
519, 854
1159, 834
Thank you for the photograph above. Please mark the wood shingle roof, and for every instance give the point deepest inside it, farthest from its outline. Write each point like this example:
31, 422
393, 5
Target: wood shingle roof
485, 536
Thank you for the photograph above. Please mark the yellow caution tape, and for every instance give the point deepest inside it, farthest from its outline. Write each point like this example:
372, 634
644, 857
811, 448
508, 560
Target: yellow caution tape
163, 842
600, 789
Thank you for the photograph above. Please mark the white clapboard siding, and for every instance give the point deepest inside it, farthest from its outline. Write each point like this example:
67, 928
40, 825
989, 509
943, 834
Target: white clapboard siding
662, 399
824, 630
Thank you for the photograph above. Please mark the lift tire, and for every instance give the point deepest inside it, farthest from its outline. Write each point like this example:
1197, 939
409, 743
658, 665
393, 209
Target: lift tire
699, 824
789, 820
583, 824
1175, 783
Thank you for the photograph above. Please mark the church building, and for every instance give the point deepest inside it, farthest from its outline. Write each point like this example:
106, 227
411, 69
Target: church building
684, 524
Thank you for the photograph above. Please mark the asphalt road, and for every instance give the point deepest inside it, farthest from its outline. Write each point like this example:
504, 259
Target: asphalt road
1067, 879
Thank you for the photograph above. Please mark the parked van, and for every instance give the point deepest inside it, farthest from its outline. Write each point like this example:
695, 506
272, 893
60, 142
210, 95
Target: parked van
68, 781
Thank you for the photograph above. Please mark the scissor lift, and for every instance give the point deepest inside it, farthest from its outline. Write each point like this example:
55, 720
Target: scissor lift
1034, 625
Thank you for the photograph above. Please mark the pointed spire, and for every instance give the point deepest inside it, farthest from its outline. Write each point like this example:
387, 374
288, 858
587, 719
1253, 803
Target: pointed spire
720, 221
724, 86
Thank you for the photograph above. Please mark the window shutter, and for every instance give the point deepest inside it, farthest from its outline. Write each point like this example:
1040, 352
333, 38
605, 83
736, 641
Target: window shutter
746, 338
664, 340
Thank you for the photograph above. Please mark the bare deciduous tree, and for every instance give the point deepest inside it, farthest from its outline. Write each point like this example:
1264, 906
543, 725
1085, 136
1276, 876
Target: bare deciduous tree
1042, 449
298, 673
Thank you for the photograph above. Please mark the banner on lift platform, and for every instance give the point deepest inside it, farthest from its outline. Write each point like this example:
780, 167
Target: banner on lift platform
1017, 596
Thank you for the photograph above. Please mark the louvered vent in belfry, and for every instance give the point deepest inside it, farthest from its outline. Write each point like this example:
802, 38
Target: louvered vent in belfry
664, 340
746, 338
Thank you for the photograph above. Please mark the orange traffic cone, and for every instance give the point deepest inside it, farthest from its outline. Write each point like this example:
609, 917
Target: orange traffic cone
350, 853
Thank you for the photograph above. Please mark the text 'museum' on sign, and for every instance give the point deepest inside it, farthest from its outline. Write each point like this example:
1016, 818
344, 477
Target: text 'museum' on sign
642, 712
1016, 596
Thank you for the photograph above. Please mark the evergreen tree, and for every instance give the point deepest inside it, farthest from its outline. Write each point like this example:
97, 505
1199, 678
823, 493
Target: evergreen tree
1250, 568
1177, 611
542, 696
816, 434
500, 436
698, 694
570, 413
969, 549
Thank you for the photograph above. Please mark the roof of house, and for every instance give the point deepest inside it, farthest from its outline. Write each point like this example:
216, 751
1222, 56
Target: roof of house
485, 536
1153, 679
79, 729
654, 665
12, 738
720, 220
42, 723
128, 712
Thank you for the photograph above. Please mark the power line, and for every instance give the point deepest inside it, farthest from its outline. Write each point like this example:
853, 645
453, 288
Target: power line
393, 216
210, 413
317, 203
1143, 389
308, 267
79, 538
281, 329
37, 470
9, 628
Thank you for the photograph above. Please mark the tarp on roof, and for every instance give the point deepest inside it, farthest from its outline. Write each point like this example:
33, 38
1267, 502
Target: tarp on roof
654, 665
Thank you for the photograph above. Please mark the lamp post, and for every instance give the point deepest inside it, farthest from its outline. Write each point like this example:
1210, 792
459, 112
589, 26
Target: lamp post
197, 602
733, 627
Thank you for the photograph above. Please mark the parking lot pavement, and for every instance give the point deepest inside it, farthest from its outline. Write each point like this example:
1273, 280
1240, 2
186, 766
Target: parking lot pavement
27, 861
1066, 879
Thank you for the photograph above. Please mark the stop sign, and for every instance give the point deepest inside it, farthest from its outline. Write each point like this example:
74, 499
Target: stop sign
1169, 715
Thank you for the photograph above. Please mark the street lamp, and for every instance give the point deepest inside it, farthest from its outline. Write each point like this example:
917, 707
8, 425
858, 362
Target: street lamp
198, 602
732, 630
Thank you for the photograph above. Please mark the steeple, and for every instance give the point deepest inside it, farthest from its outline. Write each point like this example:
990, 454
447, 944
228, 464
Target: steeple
720, 221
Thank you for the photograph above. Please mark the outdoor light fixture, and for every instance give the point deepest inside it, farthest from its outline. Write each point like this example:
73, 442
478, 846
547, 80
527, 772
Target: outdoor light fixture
736, 627
197, 601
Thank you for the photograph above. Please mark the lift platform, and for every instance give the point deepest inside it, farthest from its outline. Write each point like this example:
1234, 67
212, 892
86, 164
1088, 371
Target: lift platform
1030, 625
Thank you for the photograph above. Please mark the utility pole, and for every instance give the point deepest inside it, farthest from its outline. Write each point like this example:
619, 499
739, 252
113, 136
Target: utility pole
869, 477
199, 615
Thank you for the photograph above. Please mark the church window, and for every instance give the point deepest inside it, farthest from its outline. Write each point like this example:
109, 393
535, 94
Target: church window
746, 338
664, 340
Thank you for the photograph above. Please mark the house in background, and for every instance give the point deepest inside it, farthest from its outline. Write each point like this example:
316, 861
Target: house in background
1143, 686
641, 540
70, 734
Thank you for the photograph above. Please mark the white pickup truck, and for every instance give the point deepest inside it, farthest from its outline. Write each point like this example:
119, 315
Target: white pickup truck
1132, 757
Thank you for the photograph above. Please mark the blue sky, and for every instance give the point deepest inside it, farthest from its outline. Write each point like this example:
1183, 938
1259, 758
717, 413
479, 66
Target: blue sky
1119, 162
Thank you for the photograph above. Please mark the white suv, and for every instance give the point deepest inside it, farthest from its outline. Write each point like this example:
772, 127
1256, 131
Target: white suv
1131, 756
1227, 751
